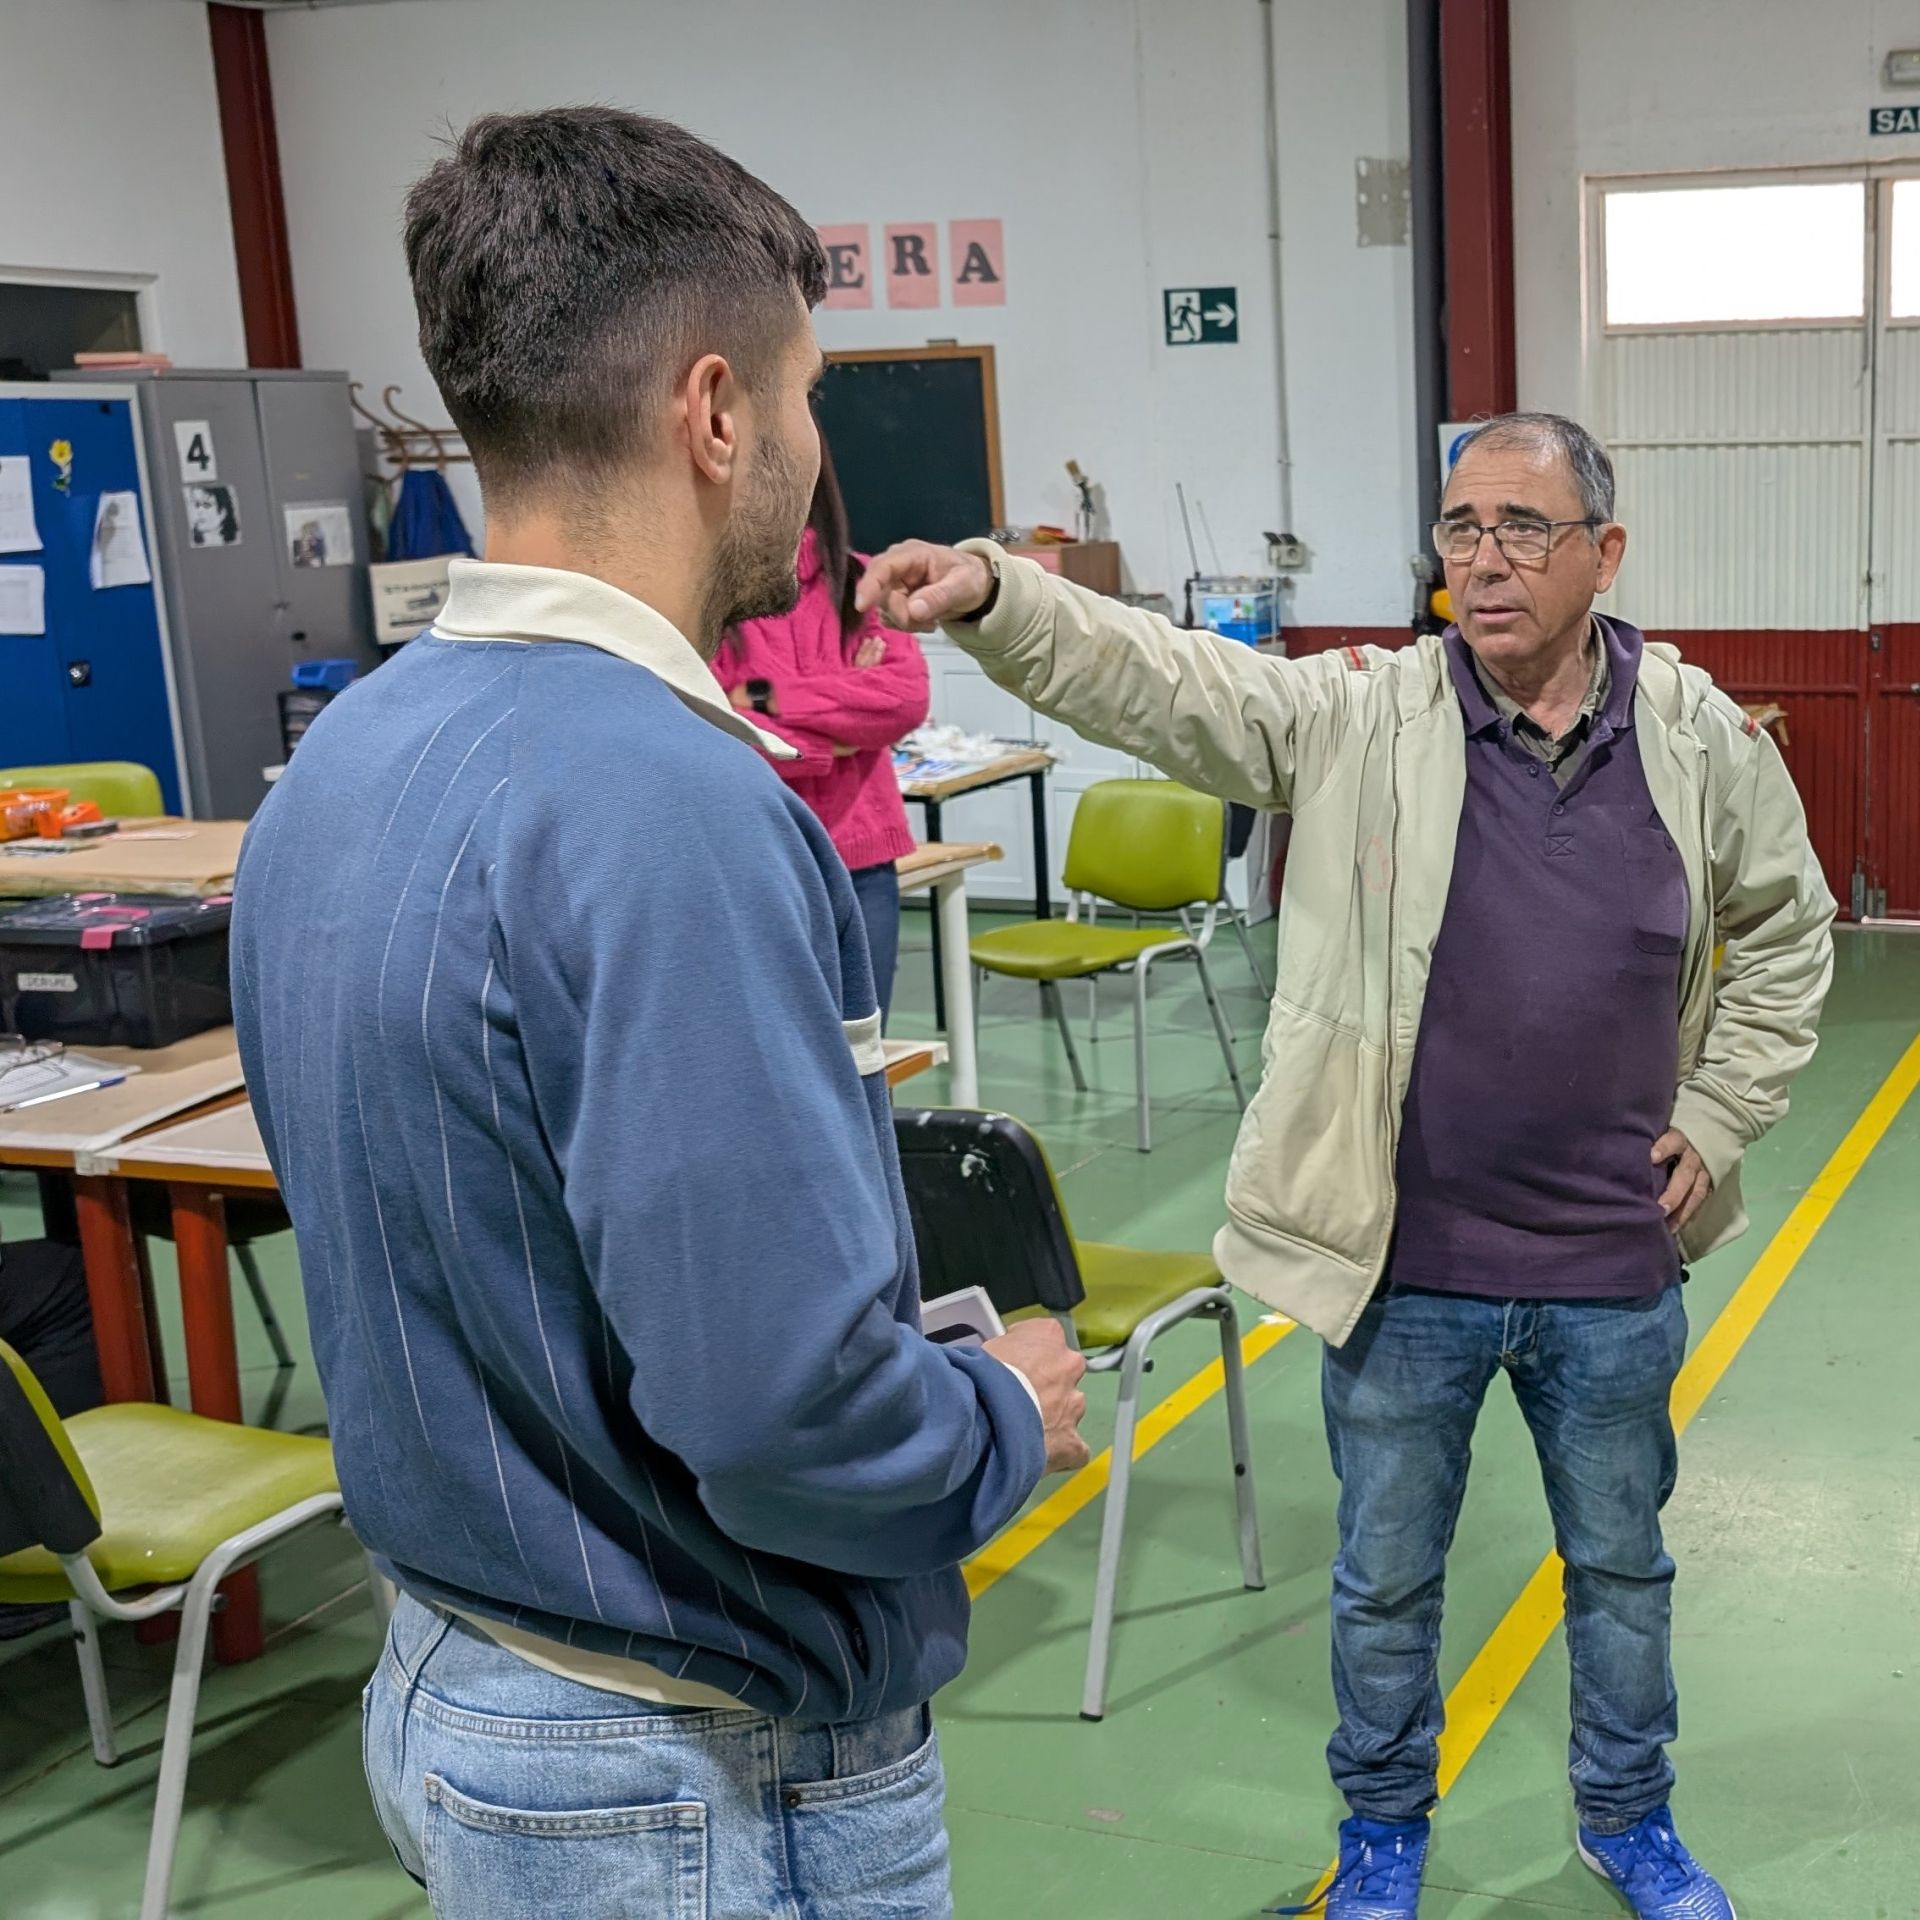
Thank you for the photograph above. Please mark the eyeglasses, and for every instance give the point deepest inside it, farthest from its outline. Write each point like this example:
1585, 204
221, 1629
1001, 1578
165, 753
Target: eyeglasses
1459, 540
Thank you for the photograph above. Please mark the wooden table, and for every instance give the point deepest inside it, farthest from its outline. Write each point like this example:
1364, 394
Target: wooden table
941, 870
182, 859
906, 1059
1031, 764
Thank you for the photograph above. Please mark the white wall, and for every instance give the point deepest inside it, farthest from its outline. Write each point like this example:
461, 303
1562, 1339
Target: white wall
110, 151
1649, 86
1119, 140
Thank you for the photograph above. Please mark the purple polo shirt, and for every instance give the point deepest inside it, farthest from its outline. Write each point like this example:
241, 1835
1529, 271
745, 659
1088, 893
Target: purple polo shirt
1549, 1045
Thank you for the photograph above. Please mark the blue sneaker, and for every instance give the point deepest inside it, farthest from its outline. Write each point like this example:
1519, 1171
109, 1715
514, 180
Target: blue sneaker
1378, 1877
1654, 1873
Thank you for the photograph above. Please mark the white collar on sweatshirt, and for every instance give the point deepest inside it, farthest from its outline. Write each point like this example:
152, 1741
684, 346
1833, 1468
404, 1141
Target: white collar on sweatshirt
489, 601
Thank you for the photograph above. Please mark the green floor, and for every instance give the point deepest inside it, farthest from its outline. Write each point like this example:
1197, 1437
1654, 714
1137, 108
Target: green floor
1797, 1527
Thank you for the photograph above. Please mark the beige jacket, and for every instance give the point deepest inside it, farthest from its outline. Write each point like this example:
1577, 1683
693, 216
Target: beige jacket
1367, 751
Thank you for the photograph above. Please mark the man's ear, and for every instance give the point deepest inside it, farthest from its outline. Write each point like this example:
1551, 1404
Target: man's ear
709, 403
1613, 549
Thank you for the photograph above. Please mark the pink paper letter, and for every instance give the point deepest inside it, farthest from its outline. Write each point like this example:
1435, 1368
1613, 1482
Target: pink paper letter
979, 256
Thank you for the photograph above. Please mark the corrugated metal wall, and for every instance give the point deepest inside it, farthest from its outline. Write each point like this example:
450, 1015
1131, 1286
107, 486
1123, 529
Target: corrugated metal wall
1742, 462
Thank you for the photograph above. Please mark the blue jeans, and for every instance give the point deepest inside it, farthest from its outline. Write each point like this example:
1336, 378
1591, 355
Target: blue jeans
510, 1793
878, 891
1593, 1380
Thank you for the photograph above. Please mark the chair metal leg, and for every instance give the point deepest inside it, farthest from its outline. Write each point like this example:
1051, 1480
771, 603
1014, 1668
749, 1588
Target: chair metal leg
1057, 1006
1113, 1527
1143, 1087
1220, 1027
263, 1305
176, 1748
93, 1682
1240, 926
1252, 1571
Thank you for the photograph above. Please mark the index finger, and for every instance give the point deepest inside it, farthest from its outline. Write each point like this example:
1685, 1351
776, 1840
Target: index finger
903, 565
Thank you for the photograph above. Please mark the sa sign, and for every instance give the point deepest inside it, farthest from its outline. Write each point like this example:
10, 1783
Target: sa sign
1893, 120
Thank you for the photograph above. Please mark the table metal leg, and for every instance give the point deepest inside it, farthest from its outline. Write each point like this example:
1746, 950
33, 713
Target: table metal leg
213, 1373
113, 1288
932, 808
1042, 868
950, 915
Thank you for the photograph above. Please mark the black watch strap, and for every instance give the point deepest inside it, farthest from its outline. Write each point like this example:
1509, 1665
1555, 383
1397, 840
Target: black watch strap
986, 606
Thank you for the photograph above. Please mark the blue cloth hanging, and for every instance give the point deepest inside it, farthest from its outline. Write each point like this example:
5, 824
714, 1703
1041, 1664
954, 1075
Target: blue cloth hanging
426, 521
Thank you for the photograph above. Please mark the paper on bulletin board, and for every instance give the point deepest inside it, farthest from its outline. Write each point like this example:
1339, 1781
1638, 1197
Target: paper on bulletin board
119, 557
23, 600
320, 534
18, 532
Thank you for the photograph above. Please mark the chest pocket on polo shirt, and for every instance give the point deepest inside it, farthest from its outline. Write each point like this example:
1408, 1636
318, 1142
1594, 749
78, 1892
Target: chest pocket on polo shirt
1656, 890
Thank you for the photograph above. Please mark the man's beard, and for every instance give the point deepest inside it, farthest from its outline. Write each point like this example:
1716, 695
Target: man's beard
754, 574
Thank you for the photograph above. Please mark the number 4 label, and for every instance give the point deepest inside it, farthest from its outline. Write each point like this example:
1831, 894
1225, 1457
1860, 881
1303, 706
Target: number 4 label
194, 438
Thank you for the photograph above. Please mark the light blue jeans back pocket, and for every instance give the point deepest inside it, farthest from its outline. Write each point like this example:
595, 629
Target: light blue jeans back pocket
490, 1862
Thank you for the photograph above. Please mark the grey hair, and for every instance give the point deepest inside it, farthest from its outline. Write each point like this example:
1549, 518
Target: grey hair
1586, 459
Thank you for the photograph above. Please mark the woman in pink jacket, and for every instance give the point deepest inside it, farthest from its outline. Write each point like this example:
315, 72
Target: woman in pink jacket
842, 688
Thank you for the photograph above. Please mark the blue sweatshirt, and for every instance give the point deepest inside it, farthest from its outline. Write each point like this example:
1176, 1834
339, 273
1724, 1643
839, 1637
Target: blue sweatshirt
556, 1014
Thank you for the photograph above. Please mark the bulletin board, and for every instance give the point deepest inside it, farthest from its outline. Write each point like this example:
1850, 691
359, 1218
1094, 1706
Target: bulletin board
915, 433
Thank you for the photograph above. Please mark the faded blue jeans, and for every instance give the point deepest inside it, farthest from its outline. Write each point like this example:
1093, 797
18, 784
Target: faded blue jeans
512, 1794
1593, 1380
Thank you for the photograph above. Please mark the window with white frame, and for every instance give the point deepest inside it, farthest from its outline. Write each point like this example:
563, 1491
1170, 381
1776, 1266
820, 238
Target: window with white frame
1743, 254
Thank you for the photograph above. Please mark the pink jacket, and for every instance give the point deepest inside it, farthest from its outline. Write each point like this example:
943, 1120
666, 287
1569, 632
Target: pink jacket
822, 701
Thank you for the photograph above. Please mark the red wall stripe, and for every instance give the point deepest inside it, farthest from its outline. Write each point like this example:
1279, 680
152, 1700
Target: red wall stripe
1852, 733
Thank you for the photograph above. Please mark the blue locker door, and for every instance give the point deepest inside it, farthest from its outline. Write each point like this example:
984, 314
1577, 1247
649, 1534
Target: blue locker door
33, 684
108, 638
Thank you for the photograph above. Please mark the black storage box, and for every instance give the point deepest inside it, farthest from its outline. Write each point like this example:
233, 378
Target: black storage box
114, 969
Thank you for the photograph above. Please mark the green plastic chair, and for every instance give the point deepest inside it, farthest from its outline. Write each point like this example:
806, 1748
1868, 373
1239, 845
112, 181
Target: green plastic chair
128, 1511
987, 1213
1147, 847
121, 790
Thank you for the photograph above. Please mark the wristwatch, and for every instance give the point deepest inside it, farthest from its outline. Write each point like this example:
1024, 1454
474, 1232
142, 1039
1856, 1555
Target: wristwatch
760, 695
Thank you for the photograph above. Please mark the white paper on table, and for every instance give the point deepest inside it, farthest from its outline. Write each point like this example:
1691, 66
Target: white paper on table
23, 600
119, 556
19, 532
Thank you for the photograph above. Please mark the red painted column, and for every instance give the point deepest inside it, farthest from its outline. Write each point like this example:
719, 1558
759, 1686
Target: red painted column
260, 246
1476, 124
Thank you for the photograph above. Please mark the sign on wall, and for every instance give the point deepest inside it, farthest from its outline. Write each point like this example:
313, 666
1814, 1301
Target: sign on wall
849, 271
1893, 120
1202, 316
910, 263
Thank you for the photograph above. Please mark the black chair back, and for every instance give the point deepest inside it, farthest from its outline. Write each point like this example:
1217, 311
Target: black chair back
986, 1212
42, 1501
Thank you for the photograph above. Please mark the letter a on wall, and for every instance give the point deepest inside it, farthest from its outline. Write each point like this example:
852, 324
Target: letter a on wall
849, 266
913, 265
978, 254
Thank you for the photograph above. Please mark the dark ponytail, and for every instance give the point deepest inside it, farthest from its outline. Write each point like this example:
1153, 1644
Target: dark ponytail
838, 568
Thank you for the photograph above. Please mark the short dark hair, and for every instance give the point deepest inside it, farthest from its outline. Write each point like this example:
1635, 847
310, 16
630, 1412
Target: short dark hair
570, 265
1586, 459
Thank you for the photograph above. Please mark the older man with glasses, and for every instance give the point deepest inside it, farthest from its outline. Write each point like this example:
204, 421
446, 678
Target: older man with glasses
1506, 1095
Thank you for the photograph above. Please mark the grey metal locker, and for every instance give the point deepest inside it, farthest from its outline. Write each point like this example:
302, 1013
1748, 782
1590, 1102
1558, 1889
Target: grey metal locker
232, 454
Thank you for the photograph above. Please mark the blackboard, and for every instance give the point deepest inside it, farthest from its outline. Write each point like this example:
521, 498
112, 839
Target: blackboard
915, 435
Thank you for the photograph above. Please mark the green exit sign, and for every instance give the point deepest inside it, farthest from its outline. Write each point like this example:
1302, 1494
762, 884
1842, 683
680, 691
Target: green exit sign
1893, 120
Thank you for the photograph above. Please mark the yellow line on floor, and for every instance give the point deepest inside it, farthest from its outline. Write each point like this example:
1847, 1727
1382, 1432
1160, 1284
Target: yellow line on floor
1498, 1668
1040, 1523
